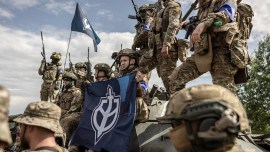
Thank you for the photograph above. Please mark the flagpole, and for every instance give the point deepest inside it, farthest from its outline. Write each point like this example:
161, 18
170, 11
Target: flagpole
67, 49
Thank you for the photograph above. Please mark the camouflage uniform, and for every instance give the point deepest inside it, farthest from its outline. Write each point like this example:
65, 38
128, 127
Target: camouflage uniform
212, 53
163, 33
45, 115
71, 103
81, 76
142, 112
200, 119
5, 137
51, 75
142, 28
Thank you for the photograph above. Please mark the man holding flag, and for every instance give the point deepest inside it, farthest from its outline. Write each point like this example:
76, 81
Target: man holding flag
109, 113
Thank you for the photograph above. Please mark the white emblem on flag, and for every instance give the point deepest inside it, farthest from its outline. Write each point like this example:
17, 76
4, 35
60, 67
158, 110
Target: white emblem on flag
86, 24
105, 115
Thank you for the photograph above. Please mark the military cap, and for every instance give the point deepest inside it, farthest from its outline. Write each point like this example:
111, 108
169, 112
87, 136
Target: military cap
205, 94
42, 114
4, 109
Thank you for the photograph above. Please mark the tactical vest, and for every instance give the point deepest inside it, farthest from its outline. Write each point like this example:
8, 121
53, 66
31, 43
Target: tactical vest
67, 97
51, 72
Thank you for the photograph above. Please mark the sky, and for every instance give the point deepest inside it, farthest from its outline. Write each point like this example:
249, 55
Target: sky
22, 20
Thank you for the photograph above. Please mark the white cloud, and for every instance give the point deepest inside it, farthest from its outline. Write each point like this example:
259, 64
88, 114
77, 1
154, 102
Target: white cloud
57, 7
20, 4
6, 13
105, 13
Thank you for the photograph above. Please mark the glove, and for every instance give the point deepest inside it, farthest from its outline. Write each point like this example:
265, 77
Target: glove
43, 61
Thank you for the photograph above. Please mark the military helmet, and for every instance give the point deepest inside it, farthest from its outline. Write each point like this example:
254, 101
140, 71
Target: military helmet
144, 7
206, 114
80, 65
130, 53
104, 67
42, 114
69, 75
56, 56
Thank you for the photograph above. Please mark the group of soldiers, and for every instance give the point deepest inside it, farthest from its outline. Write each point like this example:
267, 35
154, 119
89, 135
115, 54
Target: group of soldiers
159, 48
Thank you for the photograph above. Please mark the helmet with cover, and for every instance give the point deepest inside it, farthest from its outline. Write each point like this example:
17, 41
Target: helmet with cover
104, 67
56, 56
205, 118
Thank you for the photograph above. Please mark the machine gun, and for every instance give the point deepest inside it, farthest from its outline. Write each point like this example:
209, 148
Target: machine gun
137, 16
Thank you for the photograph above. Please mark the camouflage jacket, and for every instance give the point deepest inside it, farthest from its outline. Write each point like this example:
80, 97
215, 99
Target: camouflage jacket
141, 37
50, 72
48, 149
71, 100
209, 13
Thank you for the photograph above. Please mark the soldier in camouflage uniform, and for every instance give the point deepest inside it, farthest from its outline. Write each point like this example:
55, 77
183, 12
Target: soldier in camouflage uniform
103, 72
211, 45
71, 103
128, 59
163, 53
51, 75
206, 118
142, 28
39, 123
5, 137
81, 74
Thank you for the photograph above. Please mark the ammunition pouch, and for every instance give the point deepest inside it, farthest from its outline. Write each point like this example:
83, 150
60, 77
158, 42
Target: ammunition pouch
229, 30
239, 53
158, 24
182, 45
159, 41
203, 53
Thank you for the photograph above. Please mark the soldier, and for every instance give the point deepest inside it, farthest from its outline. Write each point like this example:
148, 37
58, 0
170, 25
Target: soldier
211, 39
103, 72
128, 59
51, 75
5, 137
163, 43
81, 73
71, 103
204, 121
39, 123
142, 28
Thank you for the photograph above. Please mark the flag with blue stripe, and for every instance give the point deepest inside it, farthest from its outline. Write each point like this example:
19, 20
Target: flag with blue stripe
109, 115
80, 23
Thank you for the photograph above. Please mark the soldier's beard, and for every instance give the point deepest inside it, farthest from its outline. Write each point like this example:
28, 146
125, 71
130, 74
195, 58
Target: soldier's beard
24, 143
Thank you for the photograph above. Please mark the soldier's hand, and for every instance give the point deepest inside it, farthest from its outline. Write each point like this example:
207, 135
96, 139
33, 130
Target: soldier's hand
56, 87
165, 51
139, 76
196, 35
43, 61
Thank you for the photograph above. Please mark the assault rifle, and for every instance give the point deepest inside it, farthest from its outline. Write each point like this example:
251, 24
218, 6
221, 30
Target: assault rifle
89, 72
70, 64
193, 22
137, 16
43, 48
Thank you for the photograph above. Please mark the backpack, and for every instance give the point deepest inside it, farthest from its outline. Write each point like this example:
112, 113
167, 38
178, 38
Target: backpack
244, 20
239, 48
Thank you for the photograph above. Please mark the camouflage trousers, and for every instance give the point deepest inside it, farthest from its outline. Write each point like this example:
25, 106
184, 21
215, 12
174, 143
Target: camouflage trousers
69, 124
222, 72
142, 112
48, 92
164, 65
